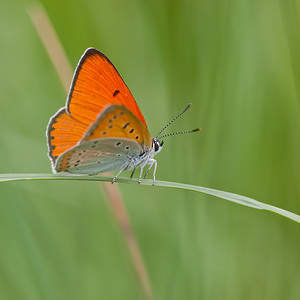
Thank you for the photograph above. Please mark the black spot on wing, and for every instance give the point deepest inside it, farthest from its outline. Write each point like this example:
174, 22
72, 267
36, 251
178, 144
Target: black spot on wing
126, 125
116, 92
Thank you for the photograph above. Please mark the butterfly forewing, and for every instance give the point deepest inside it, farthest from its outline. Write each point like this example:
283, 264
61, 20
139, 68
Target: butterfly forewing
96, 84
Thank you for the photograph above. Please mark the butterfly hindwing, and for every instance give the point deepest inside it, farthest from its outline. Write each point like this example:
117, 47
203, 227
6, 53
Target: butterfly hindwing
63, 133
99, 155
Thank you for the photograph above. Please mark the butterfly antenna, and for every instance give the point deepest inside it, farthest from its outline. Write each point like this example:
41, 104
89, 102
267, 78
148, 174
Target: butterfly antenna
180, 132
173, 121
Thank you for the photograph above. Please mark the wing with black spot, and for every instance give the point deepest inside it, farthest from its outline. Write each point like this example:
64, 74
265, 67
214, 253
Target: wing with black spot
97, 83
118, 121
99, 155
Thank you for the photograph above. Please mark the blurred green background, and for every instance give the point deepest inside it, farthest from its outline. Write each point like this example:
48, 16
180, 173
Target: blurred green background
238, 62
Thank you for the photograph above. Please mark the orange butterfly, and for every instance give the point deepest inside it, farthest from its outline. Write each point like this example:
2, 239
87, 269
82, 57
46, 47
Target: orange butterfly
101, 128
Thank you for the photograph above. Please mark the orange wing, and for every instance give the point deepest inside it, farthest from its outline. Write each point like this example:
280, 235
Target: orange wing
117, 121
63, 132
97, 83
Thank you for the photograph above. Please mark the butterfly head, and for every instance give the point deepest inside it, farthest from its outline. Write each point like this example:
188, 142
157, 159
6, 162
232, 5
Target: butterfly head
157, 145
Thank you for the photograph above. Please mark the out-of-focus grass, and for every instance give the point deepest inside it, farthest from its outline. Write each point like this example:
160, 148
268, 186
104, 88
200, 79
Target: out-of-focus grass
238, 63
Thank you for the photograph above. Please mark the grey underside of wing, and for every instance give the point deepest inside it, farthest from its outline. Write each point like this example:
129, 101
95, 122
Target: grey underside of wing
100, 155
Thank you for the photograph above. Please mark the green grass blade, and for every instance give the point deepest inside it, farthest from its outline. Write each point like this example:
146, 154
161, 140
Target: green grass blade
242, 200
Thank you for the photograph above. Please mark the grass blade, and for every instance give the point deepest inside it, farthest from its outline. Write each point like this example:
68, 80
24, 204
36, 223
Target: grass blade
242, 200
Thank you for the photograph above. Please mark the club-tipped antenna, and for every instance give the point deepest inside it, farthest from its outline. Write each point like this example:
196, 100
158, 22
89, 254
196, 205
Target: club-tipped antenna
173, 121
180, 132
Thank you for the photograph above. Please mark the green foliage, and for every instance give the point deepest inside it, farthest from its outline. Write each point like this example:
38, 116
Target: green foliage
238, 63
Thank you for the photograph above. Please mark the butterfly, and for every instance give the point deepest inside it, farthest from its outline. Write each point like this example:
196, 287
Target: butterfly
101, 127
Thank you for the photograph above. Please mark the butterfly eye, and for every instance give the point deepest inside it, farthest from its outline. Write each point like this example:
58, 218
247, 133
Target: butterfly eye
157, 145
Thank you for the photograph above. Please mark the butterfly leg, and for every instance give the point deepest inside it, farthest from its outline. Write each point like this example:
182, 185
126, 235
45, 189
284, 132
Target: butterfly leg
154, 171
121, 170
151, 164
132, 173
141, 173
